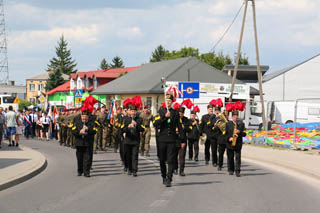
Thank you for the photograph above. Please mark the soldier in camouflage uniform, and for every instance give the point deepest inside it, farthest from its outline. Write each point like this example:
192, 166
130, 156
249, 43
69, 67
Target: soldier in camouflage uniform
116, 130
59, 121
98, 135
146, 135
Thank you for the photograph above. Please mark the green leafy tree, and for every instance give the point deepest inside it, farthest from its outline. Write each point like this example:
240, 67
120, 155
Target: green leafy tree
218, 61
55, 79
23, 104
159, 54
117, 62
104, 65
63, 60
244, 60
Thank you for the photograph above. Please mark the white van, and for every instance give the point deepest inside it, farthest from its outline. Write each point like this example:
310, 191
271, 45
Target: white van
7, 100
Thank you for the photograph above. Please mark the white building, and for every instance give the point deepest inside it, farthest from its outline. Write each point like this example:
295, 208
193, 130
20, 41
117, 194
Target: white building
298, 81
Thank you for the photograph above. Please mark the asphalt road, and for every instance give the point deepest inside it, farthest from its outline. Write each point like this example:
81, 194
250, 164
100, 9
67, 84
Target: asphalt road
204, 189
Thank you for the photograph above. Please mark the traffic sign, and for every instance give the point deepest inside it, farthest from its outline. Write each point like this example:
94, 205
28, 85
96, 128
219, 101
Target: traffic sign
16, 101
78, 100
189, 89
42, 98
78, 93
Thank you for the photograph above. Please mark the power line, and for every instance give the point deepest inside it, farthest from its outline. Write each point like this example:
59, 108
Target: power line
228, 28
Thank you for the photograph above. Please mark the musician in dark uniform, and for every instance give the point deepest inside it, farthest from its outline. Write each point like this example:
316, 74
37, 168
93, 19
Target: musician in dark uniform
132, 129
181, 145
206, 124
170, 127
193, 136
234, 131
222, 140
83, 130
215, 137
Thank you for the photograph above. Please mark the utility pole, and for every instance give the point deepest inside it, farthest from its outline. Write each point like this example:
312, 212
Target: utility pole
4, 70
257, 57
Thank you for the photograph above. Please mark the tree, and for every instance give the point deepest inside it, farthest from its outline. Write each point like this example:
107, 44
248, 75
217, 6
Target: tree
104, 65
117, 62
217, 61
23, 104
242, 60
63, 61
158, 54
55, 79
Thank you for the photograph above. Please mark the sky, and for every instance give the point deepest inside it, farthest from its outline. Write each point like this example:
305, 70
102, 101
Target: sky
288, 31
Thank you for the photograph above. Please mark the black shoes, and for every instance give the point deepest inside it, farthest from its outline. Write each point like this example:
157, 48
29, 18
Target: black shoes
219, 168
168, 182
196, 160
181, 173
230, 173
79, 174
238, 174
175, 171
214, 165
17, 144
125, 169
129, 172
164, 180
207, 162
10, 144
134, 174
87, 175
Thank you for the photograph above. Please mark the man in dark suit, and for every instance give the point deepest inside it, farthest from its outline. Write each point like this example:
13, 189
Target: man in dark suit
83, 129
234, 132
170, 127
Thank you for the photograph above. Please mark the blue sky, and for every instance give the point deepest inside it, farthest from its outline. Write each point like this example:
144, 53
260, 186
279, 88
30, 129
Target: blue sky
288, 30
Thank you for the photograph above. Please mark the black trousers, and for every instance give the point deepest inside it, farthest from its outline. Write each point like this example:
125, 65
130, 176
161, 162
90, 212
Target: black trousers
157, 146
91, 155
131, 156
121, 145
234, 160
207, 145
83, 159
167, 154
33, 130
214, 150
193, 146
180, 156
222, 149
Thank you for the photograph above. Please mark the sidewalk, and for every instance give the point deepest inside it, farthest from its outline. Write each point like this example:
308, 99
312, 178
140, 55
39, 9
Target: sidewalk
18, 164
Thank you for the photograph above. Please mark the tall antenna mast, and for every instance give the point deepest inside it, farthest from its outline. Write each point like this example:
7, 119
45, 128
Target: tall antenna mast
4, 70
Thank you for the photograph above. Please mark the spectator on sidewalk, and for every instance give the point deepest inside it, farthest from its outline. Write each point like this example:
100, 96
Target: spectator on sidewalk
19, 127
45, 121
2, 122
27, 124
11, 121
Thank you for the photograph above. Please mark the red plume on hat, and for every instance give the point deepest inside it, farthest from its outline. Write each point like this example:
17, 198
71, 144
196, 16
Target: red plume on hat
137, 101
219, 102
88, 103
127, 102
213, 102
164, 106
239, 106
188, 103
196, 109
229, 107
173, 90
176, 106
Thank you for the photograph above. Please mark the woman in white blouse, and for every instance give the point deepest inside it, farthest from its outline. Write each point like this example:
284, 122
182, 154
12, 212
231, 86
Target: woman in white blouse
45, 122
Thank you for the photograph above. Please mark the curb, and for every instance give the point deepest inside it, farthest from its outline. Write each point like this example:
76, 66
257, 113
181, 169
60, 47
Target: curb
26, 176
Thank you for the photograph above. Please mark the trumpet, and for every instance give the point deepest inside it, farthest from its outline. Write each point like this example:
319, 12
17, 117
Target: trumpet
234, 136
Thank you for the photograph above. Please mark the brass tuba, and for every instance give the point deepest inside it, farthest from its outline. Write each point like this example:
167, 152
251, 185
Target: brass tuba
221, 122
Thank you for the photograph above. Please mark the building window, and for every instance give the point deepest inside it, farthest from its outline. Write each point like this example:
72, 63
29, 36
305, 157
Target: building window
149, 102
31, 87
40, 87
31, 100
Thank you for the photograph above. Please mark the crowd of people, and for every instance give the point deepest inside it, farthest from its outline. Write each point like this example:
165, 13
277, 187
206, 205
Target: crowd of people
128, 131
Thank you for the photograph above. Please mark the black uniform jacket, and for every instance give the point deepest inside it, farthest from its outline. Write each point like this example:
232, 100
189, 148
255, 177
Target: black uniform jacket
132, 133
229, 134
207, 124
193, 130
171, 131
83, 140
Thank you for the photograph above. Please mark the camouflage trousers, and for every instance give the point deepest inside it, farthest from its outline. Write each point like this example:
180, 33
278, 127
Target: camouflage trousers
145, 141
98, 141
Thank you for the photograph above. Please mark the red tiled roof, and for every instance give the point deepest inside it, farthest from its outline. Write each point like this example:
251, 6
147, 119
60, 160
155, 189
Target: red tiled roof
108, 73
62, 88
